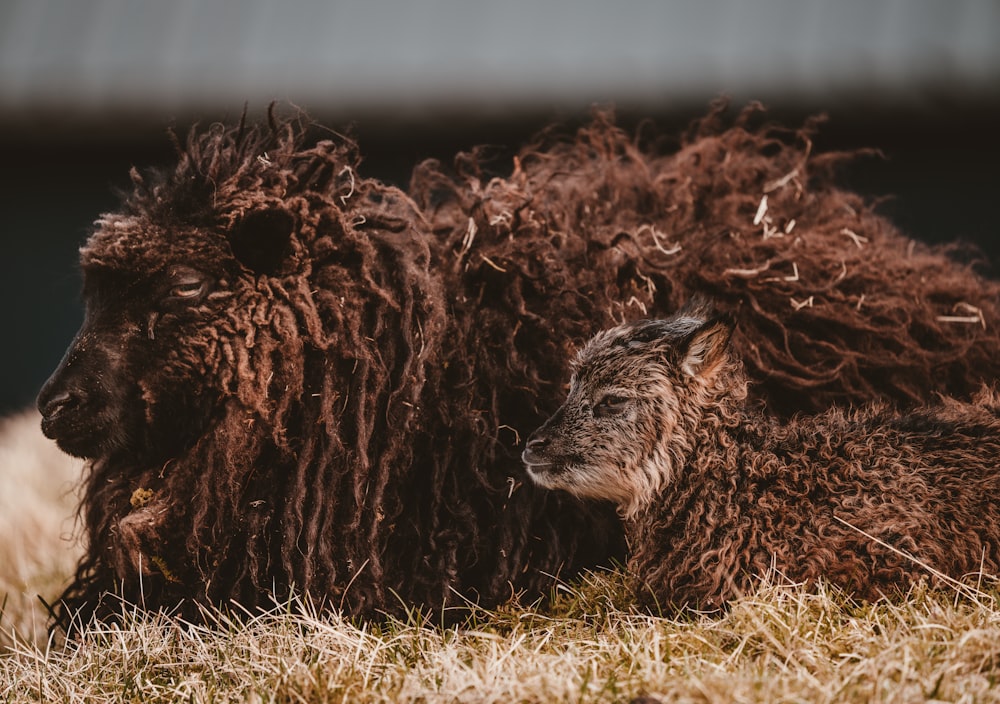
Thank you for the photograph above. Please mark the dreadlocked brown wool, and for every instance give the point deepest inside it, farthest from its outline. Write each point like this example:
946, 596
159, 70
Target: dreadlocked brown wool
291, 378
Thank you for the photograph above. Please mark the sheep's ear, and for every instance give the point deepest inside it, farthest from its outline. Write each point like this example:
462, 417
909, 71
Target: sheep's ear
262, 240
704, 350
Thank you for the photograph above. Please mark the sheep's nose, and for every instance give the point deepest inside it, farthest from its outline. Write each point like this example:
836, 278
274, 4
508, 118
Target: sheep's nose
60, 403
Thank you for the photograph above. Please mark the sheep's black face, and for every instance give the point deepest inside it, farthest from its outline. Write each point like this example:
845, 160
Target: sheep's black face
120, 385
635, 392
174, 324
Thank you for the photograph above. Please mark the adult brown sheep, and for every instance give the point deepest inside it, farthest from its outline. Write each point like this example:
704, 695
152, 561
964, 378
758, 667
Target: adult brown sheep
293, 378
716, 494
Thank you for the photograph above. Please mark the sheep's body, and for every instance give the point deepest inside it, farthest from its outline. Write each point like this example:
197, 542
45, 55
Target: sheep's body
294, 378
717, 494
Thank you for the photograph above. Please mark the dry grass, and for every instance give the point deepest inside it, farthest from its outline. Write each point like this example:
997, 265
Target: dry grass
782, 644
37, 504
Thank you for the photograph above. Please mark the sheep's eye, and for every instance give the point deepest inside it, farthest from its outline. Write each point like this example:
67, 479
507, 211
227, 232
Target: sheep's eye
187, 286
189, 289
610, 405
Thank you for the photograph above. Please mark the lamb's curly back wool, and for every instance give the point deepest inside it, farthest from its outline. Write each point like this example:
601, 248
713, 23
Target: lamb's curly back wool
292, 377
868, 500
717, 495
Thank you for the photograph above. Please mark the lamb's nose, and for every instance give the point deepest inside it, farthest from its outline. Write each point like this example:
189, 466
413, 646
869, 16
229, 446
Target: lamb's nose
534, 448
537, 443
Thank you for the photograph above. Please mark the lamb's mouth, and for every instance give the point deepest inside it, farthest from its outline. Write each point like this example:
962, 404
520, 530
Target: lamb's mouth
535, 468
541, 472
531, 460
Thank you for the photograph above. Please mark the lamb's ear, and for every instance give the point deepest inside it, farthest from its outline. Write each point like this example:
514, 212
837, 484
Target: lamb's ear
704, 350
262, 240
697, 306
647, 331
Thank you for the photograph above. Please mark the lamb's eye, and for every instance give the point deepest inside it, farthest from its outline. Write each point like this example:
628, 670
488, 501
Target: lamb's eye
610, 405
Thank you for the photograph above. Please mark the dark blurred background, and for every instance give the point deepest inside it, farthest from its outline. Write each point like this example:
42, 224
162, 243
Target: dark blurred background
88, 89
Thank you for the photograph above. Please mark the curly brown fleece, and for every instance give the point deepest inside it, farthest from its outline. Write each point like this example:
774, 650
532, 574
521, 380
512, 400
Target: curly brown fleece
316, 382
835, 303
716, 494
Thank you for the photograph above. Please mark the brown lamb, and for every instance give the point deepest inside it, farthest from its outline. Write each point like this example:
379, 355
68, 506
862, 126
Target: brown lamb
292, 378
716, 494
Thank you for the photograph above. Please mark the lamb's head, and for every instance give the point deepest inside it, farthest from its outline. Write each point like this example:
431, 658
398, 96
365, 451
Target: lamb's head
192, 291
636, 395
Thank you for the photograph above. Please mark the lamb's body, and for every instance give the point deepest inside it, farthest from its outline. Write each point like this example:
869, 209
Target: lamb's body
869, 501
717, 494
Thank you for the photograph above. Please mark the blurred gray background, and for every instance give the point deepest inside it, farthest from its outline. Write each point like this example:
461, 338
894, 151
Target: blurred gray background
89, 87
